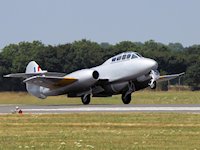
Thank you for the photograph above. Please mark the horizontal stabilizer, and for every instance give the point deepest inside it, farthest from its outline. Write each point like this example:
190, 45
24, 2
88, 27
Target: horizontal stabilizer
24, 75
28, 75
169, 77
50, 81
33, 69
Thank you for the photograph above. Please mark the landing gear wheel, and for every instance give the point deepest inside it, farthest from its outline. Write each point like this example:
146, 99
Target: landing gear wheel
153, 86
126, 99
85, 99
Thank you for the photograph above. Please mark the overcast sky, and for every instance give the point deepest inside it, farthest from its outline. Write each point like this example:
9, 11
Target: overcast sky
63, 21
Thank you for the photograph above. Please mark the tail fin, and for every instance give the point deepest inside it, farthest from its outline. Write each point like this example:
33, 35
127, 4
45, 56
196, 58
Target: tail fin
35, 90
33, 67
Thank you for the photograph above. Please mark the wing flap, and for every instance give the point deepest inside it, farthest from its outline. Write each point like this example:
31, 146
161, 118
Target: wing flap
50, 81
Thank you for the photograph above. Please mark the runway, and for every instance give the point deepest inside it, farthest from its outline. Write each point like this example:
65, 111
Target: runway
30, 109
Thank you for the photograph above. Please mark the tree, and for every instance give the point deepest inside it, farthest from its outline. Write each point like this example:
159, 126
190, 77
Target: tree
176, 46
193, 75
126, 46
86, 54
172, 58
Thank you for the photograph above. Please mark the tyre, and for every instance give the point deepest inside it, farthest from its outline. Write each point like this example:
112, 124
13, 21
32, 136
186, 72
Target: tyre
85, 99
126, 99
153, 86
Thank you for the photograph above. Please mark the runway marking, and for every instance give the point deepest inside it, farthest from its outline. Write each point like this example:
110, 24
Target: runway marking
114, 109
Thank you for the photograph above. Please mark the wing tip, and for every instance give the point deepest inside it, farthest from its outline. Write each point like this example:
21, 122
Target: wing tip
181, 73
7, 76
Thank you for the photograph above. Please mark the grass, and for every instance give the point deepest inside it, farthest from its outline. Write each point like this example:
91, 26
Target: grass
141, 97
101, 131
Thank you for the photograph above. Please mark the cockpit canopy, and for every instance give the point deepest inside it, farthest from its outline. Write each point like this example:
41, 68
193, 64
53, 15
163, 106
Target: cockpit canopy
124, 56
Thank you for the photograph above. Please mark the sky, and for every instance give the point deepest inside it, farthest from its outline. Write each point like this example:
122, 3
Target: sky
64, 21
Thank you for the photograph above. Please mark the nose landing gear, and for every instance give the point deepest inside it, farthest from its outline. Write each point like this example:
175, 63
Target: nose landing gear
153, 85
154, 74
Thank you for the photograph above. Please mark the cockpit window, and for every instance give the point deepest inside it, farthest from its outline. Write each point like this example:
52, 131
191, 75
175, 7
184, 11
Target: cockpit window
134, 56
113, 59
123, 57
119, 57
128, 56
138, 54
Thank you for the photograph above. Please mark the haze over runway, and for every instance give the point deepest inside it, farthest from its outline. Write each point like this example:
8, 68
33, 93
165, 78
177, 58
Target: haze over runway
63, 21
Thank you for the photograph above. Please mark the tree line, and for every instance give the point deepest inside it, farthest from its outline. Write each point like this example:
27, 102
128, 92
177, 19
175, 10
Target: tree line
66, 58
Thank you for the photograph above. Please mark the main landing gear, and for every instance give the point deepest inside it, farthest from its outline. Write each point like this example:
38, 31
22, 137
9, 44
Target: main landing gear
126, 98
85, 99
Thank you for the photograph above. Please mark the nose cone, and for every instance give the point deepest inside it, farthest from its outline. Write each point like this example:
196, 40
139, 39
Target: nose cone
152, 64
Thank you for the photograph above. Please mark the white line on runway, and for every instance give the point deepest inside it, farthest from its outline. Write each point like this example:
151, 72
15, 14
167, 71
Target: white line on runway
88, 109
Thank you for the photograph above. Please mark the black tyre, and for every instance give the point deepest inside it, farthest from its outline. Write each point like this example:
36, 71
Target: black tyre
85, 99
126, 99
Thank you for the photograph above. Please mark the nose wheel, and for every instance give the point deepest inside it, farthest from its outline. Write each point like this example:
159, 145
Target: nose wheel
153, 85
86, 99
154, 74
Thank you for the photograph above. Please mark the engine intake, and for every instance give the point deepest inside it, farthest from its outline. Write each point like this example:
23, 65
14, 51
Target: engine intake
95, 74
85, 78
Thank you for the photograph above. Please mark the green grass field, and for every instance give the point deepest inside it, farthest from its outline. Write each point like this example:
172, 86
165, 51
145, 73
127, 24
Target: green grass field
141, 97
101, 131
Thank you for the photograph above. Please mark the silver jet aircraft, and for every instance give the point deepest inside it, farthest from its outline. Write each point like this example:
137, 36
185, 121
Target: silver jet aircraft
122, 74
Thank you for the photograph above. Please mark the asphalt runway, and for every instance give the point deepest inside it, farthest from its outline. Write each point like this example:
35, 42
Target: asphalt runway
55, 109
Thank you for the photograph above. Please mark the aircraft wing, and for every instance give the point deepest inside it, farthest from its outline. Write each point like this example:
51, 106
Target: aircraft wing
169, 77
50, 81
